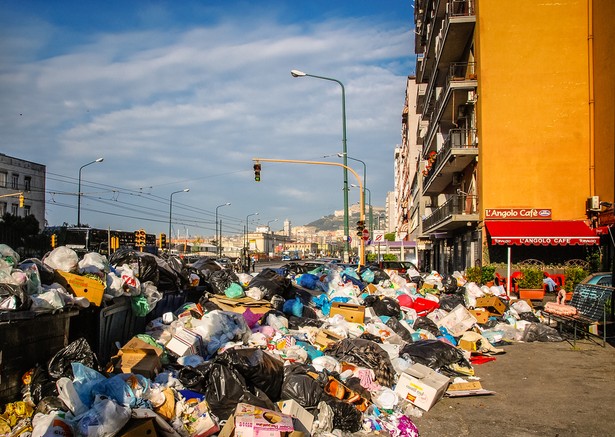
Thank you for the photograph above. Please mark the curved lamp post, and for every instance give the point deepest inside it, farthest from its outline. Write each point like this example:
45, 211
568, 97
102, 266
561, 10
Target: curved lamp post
79, 190
185, 190
297, 73
219, 231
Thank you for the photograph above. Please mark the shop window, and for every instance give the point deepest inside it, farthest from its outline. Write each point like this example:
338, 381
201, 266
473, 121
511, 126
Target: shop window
26, 210
14, 209
15, 181
27, 183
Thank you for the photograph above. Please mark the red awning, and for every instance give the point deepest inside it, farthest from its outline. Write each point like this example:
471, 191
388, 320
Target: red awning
541, 233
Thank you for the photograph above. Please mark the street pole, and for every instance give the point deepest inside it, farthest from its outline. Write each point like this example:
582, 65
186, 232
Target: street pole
297, 73
185, 190
79, 190
219, 236
361, 197
247, 269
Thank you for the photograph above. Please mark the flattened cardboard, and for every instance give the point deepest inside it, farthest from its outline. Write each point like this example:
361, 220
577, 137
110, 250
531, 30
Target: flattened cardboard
352, 313
242, 304
139, 428
457, 321
325, 337
81, 286
481, 315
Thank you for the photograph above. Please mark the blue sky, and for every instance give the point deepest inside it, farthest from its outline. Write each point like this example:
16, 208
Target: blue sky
184, 94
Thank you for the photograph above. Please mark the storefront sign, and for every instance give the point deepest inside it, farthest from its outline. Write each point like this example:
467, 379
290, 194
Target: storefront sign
544, 241
517, 214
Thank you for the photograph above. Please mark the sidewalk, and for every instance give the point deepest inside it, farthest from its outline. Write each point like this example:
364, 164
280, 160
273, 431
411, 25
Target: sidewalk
542, 389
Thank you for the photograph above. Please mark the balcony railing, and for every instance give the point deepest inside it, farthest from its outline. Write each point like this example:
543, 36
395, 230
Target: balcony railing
460, 8
456, 139
456, 205
461, 71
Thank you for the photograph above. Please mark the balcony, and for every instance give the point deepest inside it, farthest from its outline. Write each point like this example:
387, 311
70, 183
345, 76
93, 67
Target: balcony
429, 32
421, 89
456, 32
455, 213
460, 147
460, 89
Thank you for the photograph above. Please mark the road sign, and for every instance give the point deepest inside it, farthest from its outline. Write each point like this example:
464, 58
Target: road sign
365, 234
378, 236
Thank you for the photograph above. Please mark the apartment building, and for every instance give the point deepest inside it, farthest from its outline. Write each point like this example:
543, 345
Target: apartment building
512, 113
25, 179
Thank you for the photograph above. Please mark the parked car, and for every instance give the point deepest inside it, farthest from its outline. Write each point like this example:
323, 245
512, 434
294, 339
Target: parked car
405, 269
285, 258
600, 278
225, 263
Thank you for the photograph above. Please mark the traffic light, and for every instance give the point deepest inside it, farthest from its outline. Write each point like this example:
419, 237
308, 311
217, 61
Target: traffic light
21, 200
163, 241
54, 241
257, 172
360, 227
140, 238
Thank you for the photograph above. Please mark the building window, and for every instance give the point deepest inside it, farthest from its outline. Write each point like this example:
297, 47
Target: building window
15, 181
2, 180
2, 208
14, 209
27, 183
26, 210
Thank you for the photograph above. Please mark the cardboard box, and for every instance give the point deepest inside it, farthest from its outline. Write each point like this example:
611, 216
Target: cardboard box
199, 422
252, 421
302, 419
480, 314
185, 342
467, 345
325, 337
370, 288
81, 286
493, 304
421, 386
352, 313
138, 356
457, 321
139, 428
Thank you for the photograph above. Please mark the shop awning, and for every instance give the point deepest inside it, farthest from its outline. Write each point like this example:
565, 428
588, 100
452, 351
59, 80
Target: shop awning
541, 233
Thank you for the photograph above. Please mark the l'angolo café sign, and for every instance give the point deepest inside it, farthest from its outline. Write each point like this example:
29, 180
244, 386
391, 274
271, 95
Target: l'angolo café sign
517, 214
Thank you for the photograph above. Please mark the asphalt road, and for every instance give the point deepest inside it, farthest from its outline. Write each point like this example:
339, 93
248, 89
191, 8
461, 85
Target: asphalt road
542, 389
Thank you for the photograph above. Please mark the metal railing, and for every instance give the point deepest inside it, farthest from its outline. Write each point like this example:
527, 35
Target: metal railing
460, 71
460, 8
458, 204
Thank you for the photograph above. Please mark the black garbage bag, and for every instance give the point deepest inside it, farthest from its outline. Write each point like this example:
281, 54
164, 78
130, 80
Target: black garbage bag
50, 404
297, 322
379, 274
18, 292
387, 306
345, 416
225, 388
301, 387
364, 353
79, 351
220, 280
173, 274
433, 353
371, 337
399, 329
427, 325
258, 368
143, 264
529, 316
41, 385
193, 378
449, 302
270, 283
540, 332
449, 283
203, 268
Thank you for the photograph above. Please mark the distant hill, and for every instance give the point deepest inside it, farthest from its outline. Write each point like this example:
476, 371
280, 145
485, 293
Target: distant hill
328, 223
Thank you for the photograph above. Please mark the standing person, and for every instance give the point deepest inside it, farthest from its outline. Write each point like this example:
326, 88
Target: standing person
253, 264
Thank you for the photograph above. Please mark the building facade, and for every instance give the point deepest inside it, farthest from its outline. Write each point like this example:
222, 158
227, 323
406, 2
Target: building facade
514, 106
19, 177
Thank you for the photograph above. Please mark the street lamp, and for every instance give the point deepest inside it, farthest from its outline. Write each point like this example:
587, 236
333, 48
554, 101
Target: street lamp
297, 73
247, 268
341, 155
79, 190
268, 239
219, 233
270, 221
185, 190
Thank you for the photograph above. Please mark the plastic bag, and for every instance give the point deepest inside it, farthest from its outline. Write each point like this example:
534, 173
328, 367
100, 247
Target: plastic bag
308, 281
104, 419
62, 258
368, 276
9, 255
345, 416
50, 425
84, 379
93, 262
77, 351
540, 332
300, 386
234, 291
220, 280
70, 397
433, 354
126, 389
259, 369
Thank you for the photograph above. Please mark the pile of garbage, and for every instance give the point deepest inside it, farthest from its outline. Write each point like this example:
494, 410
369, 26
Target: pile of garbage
290, 351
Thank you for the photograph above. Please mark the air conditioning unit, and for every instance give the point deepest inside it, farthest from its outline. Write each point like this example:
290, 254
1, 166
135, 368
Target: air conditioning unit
593, 203
471, 96
457, 177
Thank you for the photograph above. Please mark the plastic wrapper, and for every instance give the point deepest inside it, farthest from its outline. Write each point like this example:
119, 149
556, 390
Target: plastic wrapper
433, 353
105, 419
77, 351
364, 353
258, 368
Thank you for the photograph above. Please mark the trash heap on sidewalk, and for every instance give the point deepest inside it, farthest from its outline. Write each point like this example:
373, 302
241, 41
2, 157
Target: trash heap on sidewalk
295, 351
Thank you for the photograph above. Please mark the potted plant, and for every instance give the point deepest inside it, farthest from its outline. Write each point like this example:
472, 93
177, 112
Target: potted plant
574, 275
530, 283
474, 274
488, 275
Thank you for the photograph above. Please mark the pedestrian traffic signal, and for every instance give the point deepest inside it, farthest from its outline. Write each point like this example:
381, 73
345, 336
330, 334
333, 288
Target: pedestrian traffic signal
163, 240
21, 200
360, 227
257, 172
54, 241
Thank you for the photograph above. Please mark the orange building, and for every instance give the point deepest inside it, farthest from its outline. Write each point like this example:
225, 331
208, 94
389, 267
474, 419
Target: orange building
515, 105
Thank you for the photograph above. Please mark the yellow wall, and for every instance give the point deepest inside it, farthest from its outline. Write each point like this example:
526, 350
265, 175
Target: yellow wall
604, 92
533, 115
